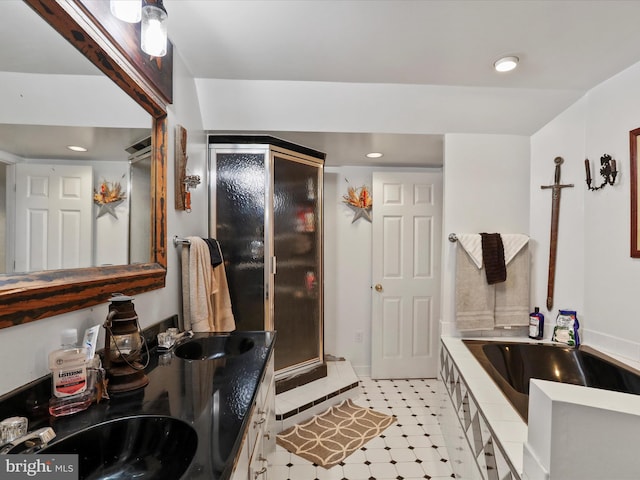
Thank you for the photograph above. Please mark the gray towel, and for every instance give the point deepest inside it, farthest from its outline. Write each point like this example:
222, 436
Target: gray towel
512, 296
475, 299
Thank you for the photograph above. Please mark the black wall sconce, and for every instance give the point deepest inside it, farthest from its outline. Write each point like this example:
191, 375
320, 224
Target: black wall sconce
607, 170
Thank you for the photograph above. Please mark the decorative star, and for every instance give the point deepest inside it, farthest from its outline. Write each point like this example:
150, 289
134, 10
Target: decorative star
360, 212
109, 208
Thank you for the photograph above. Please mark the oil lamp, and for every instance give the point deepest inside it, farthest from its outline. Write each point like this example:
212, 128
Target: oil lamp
123, 345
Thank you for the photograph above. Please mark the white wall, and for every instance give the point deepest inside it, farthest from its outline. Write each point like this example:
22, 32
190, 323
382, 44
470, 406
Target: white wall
347, 260
348, 268
368, 107
597, 276
24, 348
486, 189
563, 137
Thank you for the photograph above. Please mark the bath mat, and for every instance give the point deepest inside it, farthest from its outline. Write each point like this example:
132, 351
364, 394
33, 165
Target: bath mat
329, 438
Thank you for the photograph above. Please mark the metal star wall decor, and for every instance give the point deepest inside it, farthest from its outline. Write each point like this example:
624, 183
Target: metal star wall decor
108, 198
109, 208
360, 212
360, 201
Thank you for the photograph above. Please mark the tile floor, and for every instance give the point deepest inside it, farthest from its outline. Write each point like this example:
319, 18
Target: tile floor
410, 449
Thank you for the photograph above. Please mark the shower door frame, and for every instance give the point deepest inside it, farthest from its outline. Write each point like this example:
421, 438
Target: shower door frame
270, 262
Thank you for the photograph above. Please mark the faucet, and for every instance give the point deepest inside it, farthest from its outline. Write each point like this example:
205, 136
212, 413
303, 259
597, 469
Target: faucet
30, 442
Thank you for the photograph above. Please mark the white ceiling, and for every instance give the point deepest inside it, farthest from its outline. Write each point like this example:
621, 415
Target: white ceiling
566, 47
562, 44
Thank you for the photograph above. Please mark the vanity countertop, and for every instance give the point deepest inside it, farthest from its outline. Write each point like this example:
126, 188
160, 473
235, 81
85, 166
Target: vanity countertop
214, 396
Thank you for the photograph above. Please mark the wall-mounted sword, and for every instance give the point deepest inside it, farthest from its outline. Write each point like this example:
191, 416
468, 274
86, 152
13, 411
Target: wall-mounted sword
555, 214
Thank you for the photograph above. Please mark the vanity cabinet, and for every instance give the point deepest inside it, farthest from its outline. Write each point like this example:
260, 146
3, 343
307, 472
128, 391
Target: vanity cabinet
260, 439
266, 212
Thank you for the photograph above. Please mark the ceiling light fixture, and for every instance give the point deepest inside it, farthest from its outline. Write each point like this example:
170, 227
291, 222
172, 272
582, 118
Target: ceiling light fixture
374, 155
506, 64
76, 148
129, 11
153, 30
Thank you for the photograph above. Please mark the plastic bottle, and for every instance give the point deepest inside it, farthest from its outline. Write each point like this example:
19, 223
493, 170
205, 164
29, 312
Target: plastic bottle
70, 387
536, 324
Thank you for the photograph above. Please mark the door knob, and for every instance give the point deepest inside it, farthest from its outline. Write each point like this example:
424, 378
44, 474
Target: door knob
378, 287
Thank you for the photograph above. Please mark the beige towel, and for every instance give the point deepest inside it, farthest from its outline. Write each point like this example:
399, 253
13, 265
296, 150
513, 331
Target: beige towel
512, 296
475, 299
206, 301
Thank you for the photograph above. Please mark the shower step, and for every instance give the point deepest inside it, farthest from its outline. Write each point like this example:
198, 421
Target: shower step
302, 403
296, 381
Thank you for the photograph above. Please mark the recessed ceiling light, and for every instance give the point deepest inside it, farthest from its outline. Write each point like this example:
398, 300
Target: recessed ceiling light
506, 64
76, 148
374, 155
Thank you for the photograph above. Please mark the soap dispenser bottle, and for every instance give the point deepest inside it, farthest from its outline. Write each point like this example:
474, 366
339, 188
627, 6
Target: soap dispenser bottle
536, 324
70, 388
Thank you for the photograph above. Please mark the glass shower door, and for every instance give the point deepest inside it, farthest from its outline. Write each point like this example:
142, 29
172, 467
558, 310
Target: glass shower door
297, 247
240, 211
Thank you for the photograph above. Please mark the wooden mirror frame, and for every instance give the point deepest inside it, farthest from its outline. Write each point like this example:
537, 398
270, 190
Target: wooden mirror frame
33, 296
634, 138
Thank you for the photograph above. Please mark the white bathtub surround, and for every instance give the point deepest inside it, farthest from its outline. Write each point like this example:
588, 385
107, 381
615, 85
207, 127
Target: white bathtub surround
574, 432
623, 349
484, 433
581, 433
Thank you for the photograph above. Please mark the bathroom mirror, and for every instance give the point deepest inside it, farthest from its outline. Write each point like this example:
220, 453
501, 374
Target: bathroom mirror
634, 144
33, 296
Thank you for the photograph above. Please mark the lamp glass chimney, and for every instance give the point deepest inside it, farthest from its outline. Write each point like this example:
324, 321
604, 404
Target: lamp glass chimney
129, 11
154, 30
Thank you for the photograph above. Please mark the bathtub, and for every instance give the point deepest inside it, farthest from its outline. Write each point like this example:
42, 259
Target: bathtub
512, 364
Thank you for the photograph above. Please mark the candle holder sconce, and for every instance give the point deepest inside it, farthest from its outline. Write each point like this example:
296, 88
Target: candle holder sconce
607, 170
190, 182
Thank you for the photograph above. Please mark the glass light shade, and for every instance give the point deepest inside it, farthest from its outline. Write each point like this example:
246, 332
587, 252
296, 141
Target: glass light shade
126, 347
153, 30
129, 11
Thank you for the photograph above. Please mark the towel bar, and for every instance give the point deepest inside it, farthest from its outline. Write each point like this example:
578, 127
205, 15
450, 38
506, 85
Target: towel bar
453, 237
180, 241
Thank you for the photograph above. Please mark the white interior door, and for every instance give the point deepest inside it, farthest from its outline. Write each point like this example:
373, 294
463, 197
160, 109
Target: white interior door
53, 217
407, 226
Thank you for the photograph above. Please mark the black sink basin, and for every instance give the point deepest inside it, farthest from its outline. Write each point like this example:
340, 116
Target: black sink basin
213, 347
142, 447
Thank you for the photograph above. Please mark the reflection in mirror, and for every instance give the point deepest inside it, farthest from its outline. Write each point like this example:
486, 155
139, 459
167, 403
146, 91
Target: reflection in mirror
139, 206
90, 99
53, 97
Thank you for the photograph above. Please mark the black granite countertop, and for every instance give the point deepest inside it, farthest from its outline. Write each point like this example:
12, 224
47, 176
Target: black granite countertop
213, 396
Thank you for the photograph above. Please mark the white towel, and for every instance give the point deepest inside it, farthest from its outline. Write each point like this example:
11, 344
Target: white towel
206, 302
472, 243
512, 243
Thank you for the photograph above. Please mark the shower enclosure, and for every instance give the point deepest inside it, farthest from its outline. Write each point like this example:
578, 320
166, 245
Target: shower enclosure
266, 211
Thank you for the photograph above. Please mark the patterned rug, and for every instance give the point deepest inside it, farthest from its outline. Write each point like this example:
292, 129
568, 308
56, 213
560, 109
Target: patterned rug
329, 438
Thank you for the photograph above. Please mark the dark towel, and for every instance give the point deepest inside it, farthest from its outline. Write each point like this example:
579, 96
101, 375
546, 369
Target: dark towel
493, 258
214, 251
